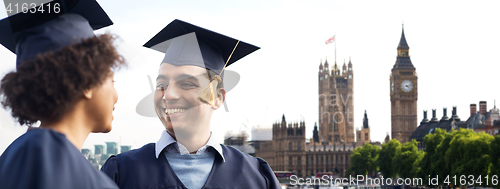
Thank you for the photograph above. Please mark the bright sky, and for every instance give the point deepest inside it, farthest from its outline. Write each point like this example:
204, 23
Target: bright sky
454, 47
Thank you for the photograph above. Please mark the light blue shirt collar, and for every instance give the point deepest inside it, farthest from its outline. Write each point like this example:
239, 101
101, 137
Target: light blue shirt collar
166, 140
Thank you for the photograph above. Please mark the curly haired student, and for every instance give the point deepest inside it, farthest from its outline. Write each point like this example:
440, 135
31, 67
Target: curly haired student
64, 81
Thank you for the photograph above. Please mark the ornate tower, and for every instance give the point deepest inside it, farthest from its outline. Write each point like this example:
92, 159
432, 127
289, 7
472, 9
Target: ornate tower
363, 134
403, 86
349, 104
336, 104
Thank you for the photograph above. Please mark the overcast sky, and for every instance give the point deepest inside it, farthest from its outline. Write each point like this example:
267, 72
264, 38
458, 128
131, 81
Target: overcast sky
453, 46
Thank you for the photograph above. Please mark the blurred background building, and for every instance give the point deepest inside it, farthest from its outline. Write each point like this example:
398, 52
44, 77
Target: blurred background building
100, 154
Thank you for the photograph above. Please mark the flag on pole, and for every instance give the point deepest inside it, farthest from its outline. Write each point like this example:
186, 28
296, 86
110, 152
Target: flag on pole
331, 40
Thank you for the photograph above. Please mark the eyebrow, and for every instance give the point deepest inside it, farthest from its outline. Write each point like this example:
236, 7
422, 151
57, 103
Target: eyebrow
161, 77
178, 78
186, 76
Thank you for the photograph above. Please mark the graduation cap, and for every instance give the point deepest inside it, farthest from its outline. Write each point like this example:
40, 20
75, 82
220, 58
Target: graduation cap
186, 44
28, 34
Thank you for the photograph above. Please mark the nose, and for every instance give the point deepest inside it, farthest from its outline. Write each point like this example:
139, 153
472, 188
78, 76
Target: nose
170, 93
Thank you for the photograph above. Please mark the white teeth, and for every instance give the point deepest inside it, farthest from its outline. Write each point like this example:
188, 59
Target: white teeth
173, 111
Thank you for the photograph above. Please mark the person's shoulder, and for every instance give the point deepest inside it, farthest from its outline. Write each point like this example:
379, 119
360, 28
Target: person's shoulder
37, 141
58, 163
38, 136
145, 151
254, 167
233, 153
128, 163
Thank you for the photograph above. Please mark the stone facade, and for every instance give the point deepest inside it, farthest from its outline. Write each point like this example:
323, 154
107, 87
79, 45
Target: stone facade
290, 151
336, 103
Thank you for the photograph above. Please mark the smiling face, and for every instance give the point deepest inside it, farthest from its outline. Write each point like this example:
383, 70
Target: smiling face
176, 99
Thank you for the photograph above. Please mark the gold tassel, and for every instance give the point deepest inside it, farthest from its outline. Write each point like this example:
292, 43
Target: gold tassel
208, 94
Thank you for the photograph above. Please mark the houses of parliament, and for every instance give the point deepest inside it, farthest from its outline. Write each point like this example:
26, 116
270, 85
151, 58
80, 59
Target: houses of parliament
334, 137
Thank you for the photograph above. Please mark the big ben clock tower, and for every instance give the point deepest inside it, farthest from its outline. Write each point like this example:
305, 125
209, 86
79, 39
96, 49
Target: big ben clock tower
403, 84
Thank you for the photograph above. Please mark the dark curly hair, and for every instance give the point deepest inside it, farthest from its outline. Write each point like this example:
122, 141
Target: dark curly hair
45, 87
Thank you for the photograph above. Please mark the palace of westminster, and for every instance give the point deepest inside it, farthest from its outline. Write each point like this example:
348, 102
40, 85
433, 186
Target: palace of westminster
333, 136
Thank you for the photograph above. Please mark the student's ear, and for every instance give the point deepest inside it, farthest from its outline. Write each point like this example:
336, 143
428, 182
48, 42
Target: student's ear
220, 96
88, 93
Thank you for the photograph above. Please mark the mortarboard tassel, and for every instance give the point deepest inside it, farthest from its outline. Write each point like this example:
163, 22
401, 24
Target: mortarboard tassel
208, 94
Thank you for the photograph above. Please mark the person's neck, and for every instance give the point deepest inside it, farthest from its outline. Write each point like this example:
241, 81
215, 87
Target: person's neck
192, 141
73, 124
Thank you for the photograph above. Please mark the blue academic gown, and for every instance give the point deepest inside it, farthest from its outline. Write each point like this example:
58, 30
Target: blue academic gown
45, 159
141, 169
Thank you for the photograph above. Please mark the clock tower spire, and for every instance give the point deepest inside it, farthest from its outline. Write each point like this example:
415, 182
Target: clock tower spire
404, 93
403, 57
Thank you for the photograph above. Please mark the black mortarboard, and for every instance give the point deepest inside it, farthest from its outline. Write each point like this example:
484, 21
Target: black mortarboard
28, 34
186, 44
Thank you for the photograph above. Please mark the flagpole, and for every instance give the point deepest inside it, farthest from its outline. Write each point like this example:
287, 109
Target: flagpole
335, 46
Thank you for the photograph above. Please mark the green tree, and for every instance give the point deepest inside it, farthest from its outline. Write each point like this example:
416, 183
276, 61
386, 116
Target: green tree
439, 166
416, 170
364, 159
405, 157
495, 157
469, 153
431, 142
386, 156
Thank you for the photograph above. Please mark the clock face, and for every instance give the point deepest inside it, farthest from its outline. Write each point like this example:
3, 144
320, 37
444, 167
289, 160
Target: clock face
406, 85
392, 86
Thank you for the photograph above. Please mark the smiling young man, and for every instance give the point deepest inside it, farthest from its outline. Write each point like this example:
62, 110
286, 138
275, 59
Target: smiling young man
185, 117
188, 90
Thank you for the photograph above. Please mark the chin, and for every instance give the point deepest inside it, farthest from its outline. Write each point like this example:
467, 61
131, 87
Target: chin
175, 127
106, 129
102, 131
